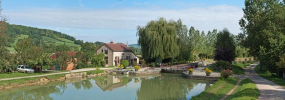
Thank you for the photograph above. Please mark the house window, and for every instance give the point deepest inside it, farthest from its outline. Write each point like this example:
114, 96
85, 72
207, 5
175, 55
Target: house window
105, 51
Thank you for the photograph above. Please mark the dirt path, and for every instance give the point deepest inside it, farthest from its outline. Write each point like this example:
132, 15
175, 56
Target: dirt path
268, 90
231, 91
77, 70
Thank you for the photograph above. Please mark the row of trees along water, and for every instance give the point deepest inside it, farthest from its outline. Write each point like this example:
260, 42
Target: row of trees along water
166, 41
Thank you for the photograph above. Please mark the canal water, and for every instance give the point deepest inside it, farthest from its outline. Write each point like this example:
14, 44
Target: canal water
118, 87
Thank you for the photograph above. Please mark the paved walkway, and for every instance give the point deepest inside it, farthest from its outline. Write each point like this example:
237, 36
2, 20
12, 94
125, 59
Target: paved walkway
268, 90
77, 70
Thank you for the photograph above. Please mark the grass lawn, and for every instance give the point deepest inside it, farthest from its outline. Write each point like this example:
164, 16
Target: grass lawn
236, 68
246, 90
217, 90
18, 74
274, 78
51, 77
94, 72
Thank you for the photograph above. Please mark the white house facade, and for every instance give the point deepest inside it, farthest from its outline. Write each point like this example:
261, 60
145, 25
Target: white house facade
114, 53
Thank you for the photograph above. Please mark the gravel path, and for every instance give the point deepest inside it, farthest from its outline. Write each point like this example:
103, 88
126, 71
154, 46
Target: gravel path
268, 90
77, 70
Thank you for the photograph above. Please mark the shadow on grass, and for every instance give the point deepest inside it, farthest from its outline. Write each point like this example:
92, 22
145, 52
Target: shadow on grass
246, 94
217, 90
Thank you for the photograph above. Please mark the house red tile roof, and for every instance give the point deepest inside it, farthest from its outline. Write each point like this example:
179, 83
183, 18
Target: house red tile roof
118, 47
69, 53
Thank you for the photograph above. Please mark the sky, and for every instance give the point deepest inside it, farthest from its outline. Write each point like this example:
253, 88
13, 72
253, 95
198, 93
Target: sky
117, 20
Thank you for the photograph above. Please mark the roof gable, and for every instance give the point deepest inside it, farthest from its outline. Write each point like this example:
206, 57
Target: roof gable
118, 47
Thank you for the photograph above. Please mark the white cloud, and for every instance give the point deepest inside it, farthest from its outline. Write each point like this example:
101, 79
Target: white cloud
202, 18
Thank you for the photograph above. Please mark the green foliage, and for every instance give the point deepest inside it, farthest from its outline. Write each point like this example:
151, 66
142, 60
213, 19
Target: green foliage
158, 39
281, 63
274, 77
225, 46
219, 65
264, 31
217, 90
96, 60
125, 63
267, 73
94, 72
63, 60
246, 90
103, 63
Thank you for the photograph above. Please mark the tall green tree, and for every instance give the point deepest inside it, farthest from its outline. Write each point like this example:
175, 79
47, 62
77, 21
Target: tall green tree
225, 46
263, 26
158, 39
64, 60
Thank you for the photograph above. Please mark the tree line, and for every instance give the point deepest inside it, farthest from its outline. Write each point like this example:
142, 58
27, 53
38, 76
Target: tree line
264, 32
166, 41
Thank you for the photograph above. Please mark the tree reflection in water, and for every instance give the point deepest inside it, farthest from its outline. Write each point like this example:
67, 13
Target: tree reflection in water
148, 87
165, 87
40, 92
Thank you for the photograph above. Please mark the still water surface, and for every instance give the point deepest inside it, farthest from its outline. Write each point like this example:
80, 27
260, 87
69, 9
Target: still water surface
150, 87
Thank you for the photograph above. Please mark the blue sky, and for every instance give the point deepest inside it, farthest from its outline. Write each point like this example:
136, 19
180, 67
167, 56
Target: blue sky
117, 20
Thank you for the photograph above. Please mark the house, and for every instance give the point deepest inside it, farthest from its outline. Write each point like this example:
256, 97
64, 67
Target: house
70, 54
111, 82
114, 53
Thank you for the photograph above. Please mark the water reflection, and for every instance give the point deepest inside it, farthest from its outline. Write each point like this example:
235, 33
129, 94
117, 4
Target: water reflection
111, 82
149, 87
40, 92
166, 87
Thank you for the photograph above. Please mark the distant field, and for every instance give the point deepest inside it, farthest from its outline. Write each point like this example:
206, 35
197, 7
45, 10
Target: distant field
16, 40
48, 40
59, 41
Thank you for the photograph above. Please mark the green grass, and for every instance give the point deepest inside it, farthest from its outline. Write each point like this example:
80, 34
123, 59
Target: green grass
274, 78
15, 42
217, 90
236, 68
246, 90
59, 41
48, 40
25, 80
94, 72
18, 74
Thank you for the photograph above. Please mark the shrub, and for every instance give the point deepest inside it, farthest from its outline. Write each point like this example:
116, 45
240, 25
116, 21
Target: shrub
135, 63
152, 64
125, 63
268, 73
219, 65
226, 73
80, 65
103, 63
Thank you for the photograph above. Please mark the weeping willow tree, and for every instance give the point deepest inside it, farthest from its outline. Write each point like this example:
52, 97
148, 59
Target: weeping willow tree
158, 39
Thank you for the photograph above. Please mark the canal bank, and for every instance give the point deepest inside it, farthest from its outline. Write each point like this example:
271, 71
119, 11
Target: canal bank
29, 81
110, 87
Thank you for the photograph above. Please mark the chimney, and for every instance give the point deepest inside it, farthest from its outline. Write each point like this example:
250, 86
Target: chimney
111, 42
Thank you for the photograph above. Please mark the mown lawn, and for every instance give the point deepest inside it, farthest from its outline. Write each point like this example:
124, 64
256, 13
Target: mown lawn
18, 74
217, 90
246, 90
51, 77
236, 68
274, 78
